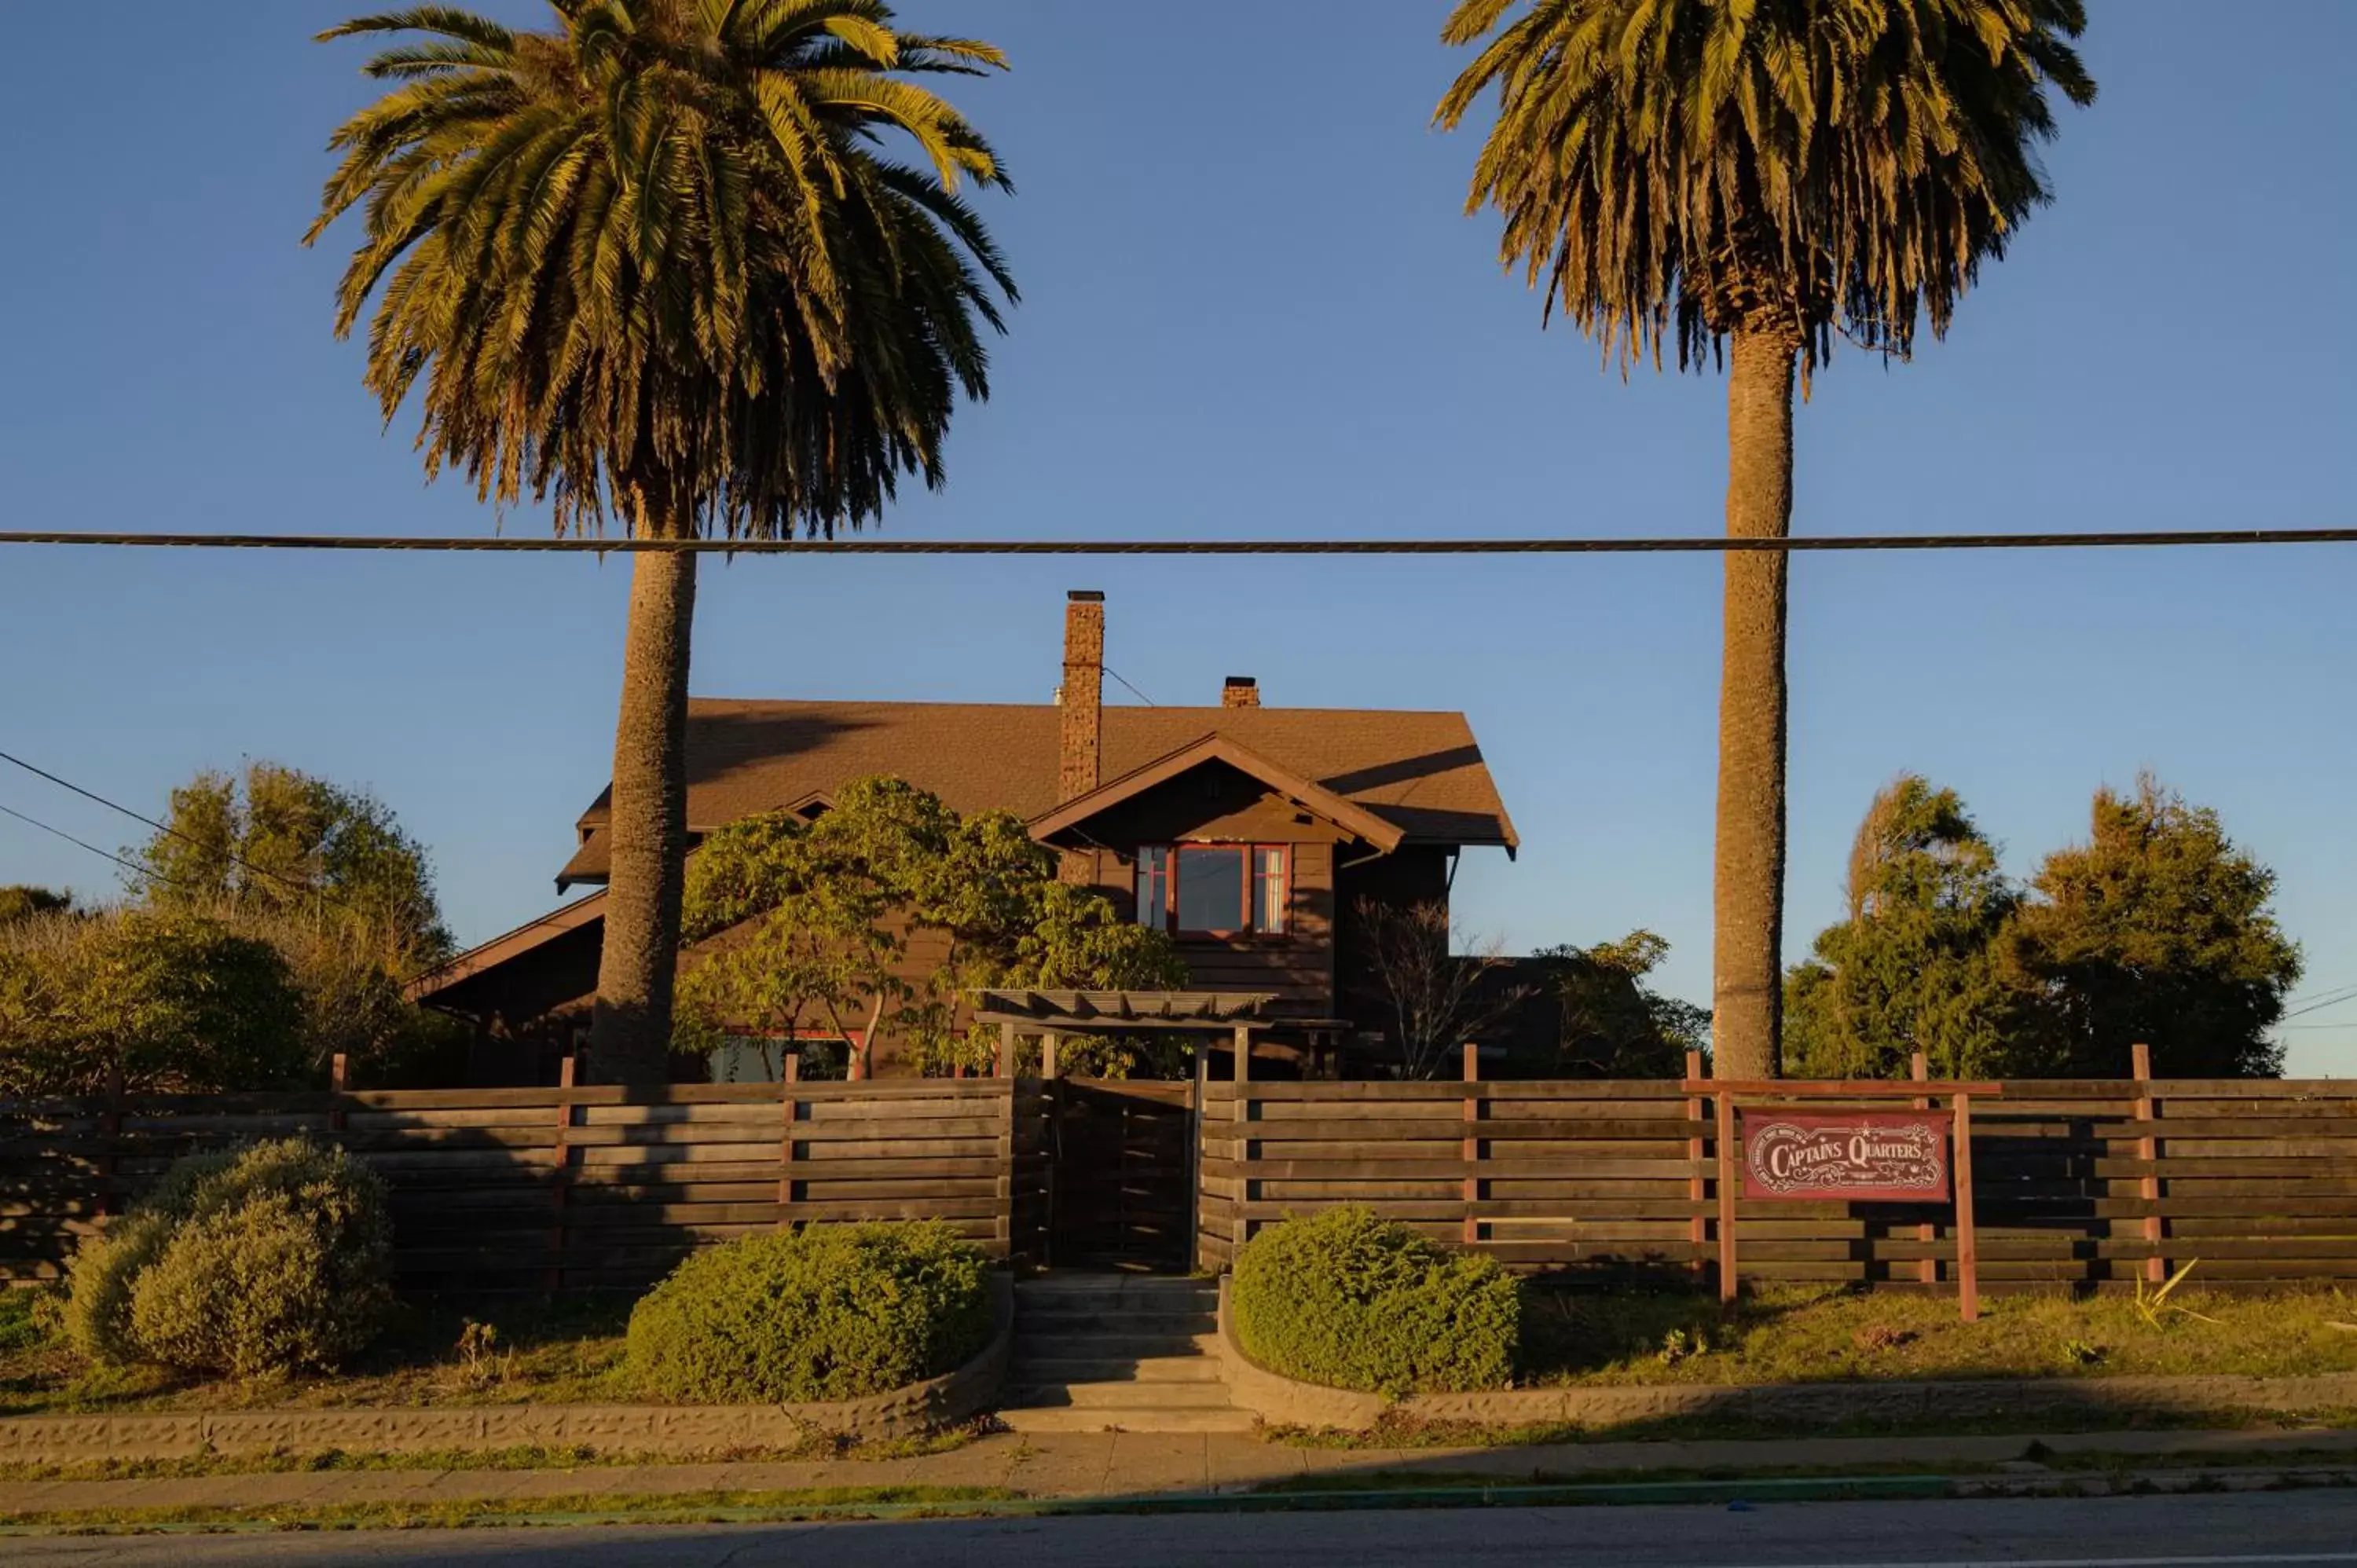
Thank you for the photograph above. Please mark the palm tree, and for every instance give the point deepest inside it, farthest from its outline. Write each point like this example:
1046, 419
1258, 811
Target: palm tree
654, 261
1753, 178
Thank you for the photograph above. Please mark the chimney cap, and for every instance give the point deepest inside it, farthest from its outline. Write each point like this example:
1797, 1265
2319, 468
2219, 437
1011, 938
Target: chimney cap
1086, 596
1242, 681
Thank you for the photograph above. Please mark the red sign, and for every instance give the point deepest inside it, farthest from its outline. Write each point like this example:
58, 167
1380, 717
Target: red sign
1872, 1157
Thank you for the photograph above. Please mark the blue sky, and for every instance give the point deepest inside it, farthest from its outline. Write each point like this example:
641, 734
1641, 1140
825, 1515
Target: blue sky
1252, 308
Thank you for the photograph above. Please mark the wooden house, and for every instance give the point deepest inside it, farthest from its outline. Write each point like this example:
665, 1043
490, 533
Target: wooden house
1250, 832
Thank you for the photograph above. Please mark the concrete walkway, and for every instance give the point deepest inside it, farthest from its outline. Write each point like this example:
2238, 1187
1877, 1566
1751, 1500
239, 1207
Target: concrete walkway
1122, 1464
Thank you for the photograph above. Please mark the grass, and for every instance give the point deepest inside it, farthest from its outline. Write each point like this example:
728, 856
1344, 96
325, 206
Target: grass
524, 1456
1396, 1431
659, 1508
1802, 1335
555, 1350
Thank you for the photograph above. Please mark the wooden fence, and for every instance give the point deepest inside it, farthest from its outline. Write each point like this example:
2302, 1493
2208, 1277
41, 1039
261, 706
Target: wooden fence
2077, 1183
550, 1187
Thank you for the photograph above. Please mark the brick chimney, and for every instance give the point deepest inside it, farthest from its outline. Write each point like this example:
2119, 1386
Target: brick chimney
1241, 691
1080, 716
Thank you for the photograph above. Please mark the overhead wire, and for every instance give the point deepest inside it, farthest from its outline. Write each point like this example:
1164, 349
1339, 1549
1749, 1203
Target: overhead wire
1588, 545
310, 890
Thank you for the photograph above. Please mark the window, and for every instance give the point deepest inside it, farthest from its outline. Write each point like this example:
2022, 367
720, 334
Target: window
1214, 889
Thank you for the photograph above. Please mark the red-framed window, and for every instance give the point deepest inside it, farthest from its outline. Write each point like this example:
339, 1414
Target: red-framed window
1215, 889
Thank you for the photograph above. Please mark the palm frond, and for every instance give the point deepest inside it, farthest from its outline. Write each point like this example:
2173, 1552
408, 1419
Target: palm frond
648, 264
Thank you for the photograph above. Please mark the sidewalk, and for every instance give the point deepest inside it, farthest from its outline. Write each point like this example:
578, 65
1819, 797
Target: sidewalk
1121, 1464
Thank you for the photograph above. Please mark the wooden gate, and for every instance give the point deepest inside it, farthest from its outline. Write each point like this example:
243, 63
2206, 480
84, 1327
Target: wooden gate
1123, 1174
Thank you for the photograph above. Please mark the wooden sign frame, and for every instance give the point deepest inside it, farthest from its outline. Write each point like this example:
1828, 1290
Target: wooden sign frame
1918, 1092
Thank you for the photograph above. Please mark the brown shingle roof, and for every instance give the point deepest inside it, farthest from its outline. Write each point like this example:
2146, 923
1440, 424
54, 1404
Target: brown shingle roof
1420, 770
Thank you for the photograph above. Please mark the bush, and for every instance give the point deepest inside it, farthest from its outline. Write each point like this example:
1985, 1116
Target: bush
828, 1313
276, 1258
1354, 1301
177, 1001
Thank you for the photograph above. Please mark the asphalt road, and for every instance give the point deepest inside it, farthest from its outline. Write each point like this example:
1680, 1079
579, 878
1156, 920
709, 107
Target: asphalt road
2213, 1530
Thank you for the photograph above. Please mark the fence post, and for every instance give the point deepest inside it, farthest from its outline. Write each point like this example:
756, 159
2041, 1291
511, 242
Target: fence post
1968, 1265
1048, 1054
109, 1127
790, 1109
1006, 1047
1242, 1042
1697, 1191
1729, 1183
339, 1081
2156, 1267
1927, 1268
563, 1171
1471, 1149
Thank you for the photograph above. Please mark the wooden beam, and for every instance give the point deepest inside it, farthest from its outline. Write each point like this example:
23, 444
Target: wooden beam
1471, 1147
1697, 1228
1729, 1184
1850, 1089
1241, 1039
2156, 1268
1968, 1267
1927, 1271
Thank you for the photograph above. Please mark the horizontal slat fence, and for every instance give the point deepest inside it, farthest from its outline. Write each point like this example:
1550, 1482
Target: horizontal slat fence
552, 1188
2257, 1179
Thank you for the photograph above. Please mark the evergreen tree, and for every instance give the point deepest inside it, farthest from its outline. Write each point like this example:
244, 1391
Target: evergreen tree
1913, 968
2156, 930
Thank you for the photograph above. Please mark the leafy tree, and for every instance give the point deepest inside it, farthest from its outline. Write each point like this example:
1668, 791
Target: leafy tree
273, 840
880, 915
1611, 1023
653, 261
326, 875
1753, 178
2157, 929
24, 903
1913, 968
177, 1001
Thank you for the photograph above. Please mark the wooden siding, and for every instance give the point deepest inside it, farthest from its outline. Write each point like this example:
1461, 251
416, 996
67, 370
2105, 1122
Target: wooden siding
2257, 1179
545, 1187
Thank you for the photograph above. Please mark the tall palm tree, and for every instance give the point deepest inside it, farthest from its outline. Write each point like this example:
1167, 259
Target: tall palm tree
655, 261
1753, 176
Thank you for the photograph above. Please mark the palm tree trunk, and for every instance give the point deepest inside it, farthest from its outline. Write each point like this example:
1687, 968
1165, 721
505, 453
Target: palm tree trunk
1746, 982
630, 1032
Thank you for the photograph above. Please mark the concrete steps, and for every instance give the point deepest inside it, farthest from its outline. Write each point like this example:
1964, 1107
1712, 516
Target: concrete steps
1128, 1352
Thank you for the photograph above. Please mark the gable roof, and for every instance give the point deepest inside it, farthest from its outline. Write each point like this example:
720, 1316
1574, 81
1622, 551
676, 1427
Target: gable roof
1419, 772
1349, 815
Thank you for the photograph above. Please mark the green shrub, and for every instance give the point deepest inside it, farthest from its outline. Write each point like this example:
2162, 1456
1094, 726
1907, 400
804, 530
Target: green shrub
276, 1258
1354, 1301
830, 1312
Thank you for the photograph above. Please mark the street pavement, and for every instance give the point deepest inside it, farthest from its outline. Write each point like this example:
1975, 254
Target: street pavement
2260, 1529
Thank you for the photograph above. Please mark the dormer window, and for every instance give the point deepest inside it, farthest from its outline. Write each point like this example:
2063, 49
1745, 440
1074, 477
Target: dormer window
1215, 889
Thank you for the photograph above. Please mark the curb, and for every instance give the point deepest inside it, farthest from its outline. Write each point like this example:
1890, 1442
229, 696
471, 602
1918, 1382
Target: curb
1281, 1400
657, 1429
1732, 1492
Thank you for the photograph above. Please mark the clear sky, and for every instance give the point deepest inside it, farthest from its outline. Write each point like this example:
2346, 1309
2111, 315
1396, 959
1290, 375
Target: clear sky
1252, 308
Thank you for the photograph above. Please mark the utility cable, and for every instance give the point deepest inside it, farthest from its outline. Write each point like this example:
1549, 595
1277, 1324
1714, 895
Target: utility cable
306, 889
1670, 544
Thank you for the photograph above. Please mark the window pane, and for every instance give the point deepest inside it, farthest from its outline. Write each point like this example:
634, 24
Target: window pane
1154, 885
1210, 889
1270, 889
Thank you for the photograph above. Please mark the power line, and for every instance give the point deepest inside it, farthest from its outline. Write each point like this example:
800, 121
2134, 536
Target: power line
2337, 999
1670, 544
78, 844
307, 889
1124, 681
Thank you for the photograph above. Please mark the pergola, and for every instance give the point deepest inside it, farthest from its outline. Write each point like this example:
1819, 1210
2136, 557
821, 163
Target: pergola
1049, 1015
